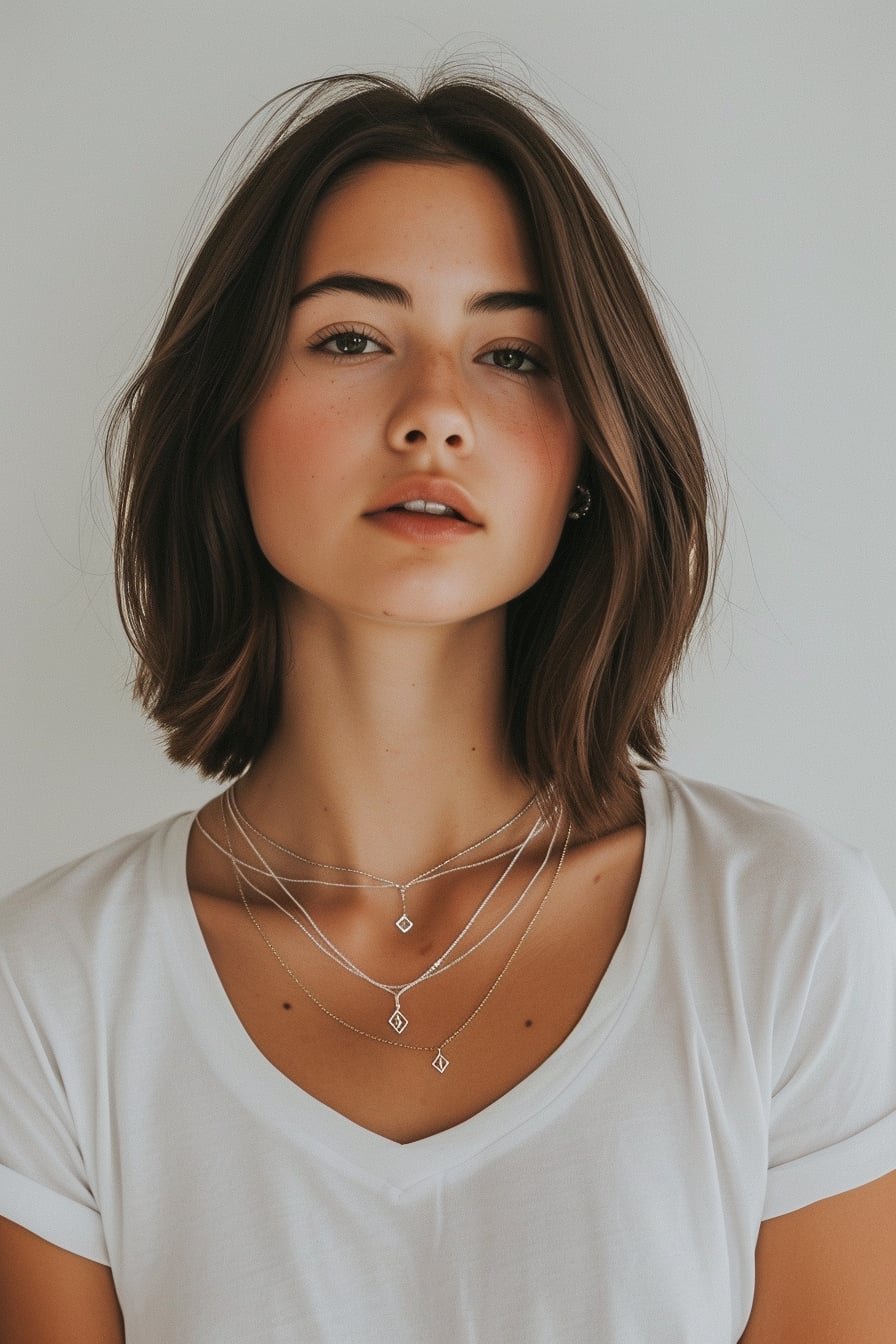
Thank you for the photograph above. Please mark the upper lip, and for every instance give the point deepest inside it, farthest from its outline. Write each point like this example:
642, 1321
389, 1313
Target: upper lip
434, 490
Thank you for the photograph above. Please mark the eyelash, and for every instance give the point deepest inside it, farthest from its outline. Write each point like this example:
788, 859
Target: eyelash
514, 347
518, 348
325, 337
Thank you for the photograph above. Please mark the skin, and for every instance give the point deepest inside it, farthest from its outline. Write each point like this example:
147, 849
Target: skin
397, 648
824, 1274
388, 753
49, 1296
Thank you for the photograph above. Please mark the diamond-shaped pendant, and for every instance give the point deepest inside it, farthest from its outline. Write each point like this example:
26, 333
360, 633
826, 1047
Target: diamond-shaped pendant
440, 1062
398, 1021
404, 924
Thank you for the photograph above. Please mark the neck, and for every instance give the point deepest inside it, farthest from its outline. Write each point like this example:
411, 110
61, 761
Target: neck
389, 752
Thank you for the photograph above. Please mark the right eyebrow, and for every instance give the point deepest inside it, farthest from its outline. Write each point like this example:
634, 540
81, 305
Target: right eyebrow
386, 291
348, 283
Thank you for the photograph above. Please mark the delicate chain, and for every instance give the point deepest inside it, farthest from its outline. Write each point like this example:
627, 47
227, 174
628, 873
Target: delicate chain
334, 952
346, 962
439, 965
403, 923
439, 1061
434, 871
381, 884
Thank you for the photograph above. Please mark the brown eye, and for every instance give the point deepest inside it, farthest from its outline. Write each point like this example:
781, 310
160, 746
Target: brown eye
350, 343
513, 360
347, 342
509, 359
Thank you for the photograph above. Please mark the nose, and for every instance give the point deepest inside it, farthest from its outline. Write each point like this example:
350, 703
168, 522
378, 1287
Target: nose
430, 413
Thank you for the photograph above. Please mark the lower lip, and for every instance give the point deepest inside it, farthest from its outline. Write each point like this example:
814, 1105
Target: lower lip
422, 527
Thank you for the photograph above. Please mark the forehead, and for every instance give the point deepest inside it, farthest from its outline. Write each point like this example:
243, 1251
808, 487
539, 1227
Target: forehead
456, 221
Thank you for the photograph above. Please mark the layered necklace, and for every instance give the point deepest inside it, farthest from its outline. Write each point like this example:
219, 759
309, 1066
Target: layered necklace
403, 923
299, 915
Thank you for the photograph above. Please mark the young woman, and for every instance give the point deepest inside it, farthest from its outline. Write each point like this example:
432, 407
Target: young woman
455, 1017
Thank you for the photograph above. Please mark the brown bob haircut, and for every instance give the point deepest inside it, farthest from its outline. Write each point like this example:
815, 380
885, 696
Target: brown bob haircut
593, 646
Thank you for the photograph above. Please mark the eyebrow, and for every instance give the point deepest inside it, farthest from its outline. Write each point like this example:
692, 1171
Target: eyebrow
384, 291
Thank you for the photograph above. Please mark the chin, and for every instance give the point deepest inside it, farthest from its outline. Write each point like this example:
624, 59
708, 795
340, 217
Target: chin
410, 600
430, 614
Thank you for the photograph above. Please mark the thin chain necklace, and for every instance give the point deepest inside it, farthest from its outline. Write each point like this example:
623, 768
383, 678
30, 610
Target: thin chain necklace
284, 880
397, 1019
404, 923
515, 852
439, 1060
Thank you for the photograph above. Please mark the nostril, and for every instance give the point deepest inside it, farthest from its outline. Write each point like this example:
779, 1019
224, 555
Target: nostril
414, 436
453, 440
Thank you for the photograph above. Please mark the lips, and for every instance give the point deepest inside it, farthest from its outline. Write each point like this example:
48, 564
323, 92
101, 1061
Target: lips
424, 490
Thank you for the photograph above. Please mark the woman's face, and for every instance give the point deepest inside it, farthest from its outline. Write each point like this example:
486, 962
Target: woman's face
419, 366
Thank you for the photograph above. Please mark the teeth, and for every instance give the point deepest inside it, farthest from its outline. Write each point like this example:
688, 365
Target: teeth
427, 506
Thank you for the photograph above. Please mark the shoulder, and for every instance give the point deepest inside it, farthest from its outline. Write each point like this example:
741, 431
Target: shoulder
741, 845
785, 932
768, 896
71, 912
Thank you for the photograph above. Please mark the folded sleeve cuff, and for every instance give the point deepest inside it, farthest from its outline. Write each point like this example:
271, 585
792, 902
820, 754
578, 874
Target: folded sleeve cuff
57, 1219
853, 1162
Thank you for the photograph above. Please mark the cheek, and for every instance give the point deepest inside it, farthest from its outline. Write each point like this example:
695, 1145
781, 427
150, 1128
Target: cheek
545, 459
549, 489
540, 491
288, 451
541, 424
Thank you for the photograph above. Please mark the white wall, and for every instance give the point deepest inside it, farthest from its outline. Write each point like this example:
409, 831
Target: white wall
753, 144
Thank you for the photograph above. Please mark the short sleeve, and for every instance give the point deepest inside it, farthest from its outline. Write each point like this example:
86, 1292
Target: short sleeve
43, 1183
833, 1108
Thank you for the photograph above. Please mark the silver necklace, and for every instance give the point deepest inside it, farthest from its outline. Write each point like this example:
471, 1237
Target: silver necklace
516, 853
439, 1060
397, 1020
403, 923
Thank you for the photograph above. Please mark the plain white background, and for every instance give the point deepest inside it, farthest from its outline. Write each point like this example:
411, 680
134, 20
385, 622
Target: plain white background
753, 146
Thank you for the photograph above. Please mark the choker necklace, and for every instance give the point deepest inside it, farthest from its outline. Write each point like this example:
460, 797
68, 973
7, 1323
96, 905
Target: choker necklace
403, 923
440, 1060
397, 1019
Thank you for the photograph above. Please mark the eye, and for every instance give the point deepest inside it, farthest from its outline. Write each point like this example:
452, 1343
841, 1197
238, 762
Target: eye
513, 359
346, 341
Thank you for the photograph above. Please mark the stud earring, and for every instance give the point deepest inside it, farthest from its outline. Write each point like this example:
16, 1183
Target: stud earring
582, 503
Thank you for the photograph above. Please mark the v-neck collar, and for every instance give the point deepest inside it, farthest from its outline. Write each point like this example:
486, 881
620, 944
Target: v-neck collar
303, 1120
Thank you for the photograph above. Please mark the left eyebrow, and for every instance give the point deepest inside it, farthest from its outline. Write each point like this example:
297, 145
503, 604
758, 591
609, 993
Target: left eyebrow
506, 300
384, 291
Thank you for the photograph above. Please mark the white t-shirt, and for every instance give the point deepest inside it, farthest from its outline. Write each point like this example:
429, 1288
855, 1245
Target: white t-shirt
737, 1061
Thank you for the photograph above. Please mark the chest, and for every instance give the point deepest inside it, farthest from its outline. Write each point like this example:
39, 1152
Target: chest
472, 1033
534, 1221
